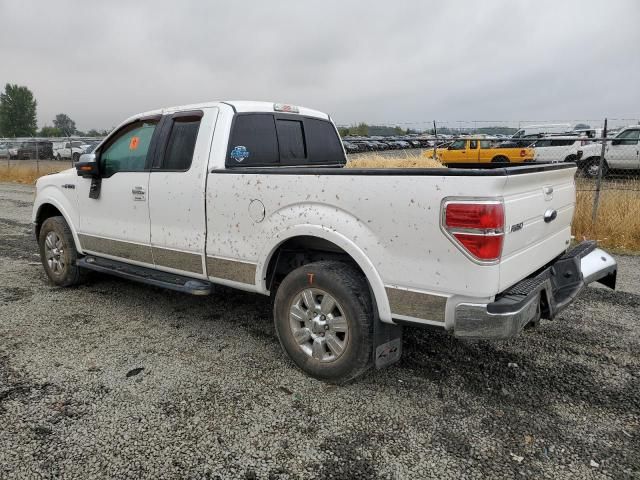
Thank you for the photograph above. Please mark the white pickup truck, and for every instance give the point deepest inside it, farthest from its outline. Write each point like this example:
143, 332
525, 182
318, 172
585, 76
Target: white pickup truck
254, 196
622, 152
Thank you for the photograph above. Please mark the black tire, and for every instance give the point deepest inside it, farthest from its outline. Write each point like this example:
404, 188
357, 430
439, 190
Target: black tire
76, 157
500, 159
68, 273
58, 158
350, 289
589, 168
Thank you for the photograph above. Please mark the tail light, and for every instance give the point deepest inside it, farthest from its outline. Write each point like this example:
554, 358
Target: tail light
476, 227
523, 153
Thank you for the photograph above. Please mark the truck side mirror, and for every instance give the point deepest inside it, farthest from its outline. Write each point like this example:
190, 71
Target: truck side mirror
87, 169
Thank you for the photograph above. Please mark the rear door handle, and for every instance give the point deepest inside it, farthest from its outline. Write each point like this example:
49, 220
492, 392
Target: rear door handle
137, 191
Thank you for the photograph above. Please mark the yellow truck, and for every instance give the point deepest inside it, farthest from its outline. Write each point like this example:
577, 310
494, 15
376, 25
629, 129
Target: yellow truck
480, 150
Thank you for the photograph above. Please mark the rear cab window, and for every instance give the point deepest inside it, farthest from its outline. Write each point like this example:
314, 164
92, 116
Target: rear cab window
278, 139
178, 142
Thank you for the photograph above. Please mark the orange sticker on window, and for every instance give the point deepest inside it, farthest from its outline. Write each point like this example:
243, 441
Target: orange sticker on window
133, 144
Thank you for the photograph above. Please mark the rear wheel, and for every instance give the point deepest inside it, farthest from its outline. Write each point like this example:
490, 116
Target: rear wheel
58, 252
500, 159
323, 315
76, 157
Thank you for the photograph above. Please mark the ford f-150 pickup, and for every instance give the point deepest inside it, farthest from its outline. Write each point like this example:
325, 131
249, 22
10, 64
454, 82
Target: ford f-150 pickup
254, 196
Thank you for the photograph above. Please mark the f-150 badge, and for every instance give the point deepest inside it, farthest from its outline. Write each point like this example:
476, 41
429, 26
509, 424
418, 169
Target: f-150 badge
239, 153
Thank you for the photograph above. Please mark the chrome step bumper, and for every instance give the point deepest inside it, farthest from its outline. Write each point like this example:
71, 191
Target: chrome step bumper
542, 295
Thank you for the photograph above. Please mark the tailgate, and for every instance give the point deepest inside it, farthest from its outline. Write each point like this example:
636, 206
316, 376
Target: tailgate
538, 213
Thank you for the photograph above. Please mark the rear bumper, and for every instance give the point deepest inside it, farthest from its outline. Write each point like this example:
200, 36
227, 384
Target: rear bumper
543, 295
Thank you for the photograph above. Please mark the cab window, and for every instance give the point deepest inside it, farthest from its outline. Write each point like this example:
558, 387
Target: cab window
485, 144
628, 137
127, 151
458, 145
473, 144
253, 141
261, 139
181, 143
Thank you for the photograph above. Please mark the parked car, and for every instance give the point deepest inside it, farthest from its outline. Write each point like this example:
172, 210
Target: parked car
479, 150
13, 149
4, 151
351, 147
70, 150
621, 153
31, 150
559, 149
234, 199
366, 145
378, 145
537, 131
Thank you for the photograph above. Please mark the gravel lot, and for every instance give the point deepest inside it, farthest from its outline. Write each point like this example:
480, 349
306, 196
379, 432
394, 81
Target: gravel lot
120, 380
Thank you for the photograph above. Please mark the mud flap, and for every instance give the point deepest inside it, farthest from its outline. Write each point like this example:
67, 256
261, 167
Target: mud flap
387, 343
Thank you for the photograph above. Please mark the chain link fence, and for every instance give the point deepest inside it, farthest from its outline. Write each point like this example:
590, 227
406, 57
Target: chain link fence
41, 152
607, 156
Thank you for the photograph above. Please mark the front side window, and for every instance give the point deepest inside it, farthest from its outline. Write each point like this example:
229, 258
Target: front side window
127, 152
458, 145
473, 144
628, 137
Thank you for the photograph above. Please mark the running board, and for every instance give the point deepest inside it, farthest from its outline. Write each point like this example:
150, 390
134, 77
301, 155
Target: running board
146, 275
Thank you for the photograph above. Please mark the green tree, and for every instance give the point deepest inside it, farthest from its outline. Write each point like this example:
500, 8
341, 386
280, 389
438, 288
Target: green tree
361, 129
17, 112
49, 131
63, 123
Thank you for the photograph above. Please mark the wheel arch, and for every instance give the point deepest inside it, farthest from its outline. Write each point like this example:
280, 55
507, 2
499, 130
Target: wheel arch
317, 238
52, 208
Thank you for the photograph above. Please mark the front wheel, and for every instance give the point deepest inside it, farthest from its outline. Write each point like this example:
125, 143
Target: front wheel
323, 315
591, 166
58, 252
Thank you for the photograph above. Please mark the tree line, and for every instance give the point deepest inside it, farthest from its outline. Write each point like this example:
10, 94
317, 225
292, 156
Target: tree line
18, 117
364, 130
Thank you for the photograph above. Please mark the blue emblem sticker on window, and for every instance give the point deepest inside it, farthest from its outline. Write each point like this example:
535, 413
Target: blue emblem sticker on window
239, 153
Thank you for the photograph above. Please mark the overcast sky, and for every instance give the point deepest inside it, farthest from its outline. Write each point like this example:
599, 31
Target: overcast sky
374, 61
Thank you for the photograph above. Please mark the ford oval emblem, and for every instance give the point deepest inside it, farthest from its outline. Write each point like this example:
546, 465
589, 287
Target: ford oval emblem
550, 215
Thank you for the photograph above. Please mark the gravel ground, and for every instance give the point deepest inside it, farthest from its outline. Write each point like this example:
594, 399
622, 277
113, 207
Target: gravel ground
119, 380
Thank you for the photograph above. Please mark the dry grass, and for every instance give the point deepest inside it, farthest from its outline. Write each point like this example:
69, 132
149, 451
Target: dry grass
617, 226
402, 160
28, 171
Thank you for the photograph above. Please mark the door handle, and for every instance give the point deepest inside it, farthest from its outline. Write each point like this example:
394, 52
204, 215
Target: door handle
137, 191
